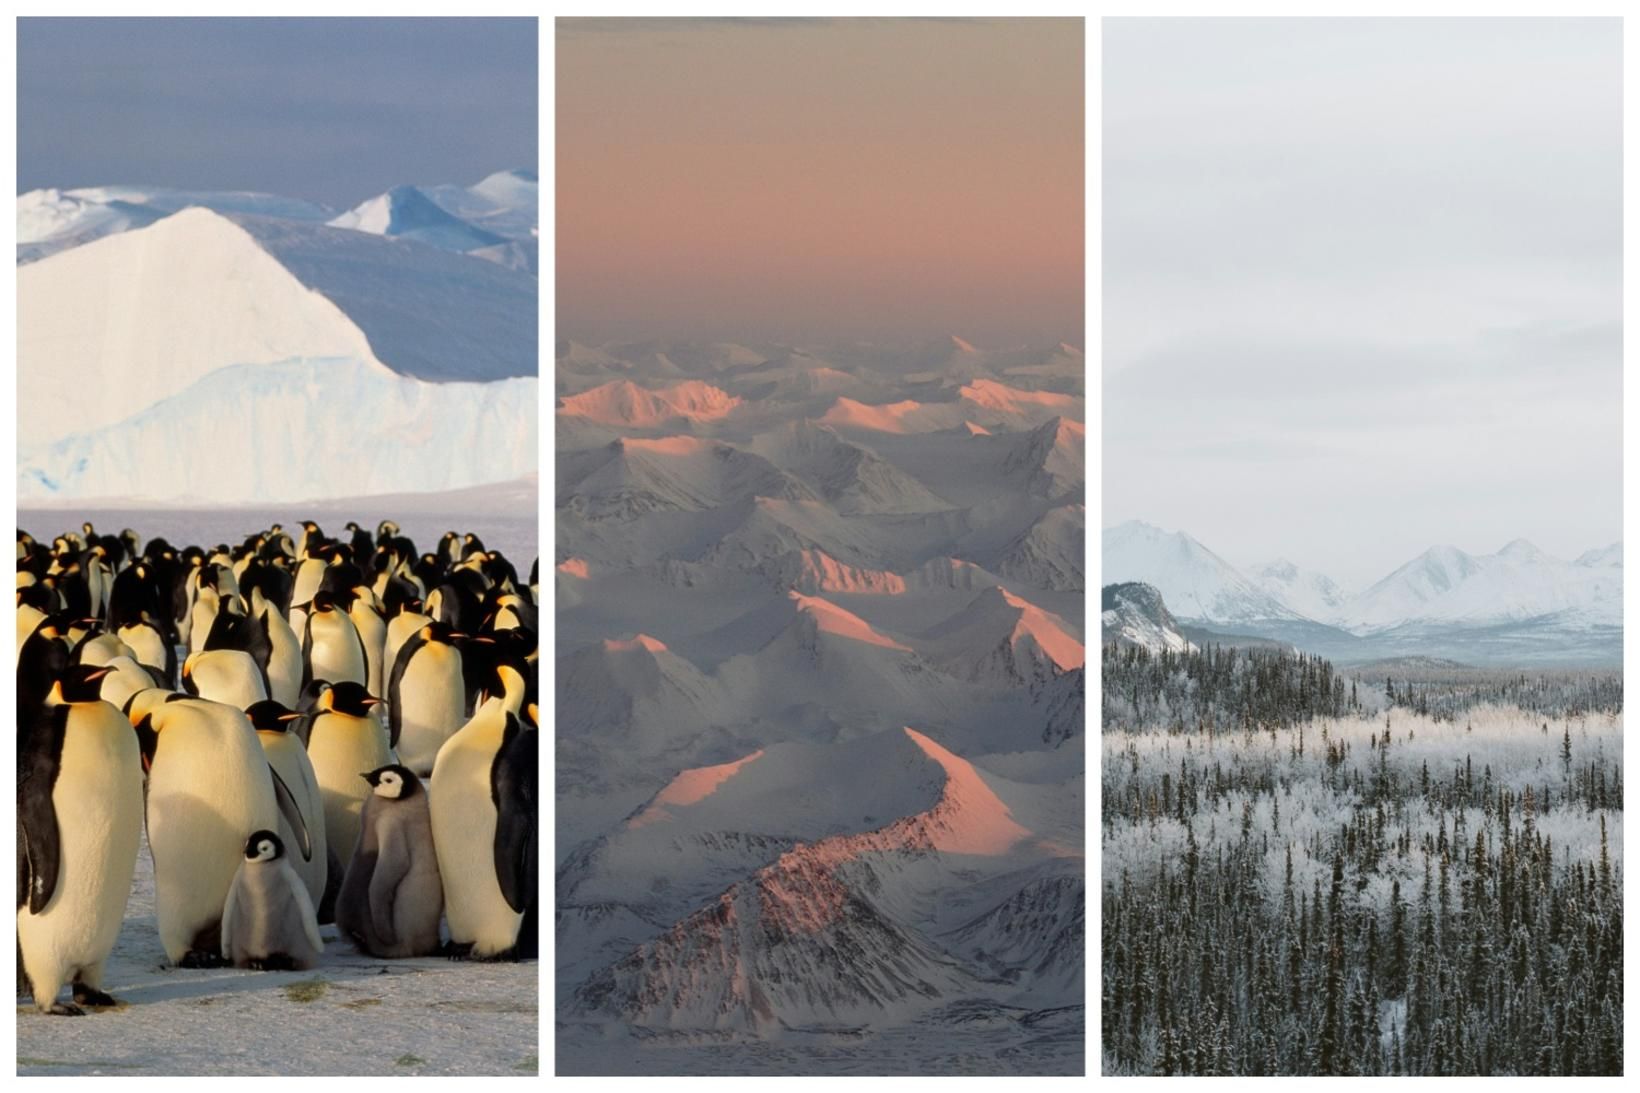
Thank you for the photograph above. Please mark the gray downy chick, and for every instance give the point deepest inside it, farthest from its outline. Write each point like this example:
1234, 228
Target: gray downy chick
392, 897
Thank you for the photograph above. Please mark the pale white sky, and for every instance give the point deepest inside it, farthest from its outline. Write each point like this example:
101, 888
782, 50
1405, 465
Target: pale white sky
1363, 285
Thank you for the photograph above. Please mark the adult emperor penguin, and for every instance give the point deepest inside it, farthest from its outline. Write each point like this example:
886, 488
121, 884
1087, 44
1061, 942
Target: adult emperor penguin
426, 698
209, 787
484, 807
292, 767
400, 628
224, 675
284, 667
365, 614
79, 819
331, 646
391, 898
268, 921
344, 741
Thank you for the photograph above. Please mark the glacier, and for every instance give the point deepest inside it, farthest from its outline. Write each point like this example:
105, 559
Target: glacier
177, 346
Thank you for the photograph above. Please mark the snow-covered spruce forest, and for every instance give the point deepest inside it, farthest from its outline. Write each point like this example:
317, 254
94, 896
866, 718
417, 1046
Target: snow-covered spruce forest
1307, 874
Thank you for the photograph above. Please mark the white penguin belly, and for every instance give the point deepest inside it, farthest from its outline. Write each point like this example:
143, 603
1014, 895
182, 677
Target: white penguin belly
341, 748
207, 792
464, 821
432, 705
287, 756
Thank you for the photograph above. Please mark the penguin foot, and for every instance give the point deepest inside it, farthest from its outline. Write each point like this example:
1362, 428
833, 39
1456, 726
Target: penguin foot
64, 1009
505, 956
201, 958
91, 996
464, 951
273, 962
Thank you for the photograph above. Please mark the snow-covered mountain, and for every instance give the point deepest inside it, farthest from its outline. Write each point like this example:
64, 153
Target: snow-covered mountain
1518, 605
832, 543
1196, 583
1444, 584
1134, 614
209, 347
404, 212
1313, 595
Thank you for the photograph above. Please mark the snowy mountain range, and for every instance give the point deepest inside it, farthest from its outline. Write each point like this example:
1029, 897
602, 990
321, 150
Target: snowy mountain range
1516, 605
820, 691
209, 347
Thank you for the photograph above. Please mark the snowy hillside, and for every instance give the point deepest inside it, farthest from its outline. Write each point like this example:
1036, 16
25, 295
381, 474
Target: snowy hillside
819, 692
1195, 582
241, 344
1134, 614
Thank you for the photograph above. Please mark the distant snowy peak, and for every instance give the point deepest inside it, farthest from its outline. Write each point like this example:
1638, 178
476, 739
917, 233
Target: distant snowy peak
624, 404
1135, 614
404, 212
982, 402
1519, 582
853, 478
1611, 556
1049, 553
633, 686
1002, 639
1049, 460
1195, 582
1312, 594
50, 221
816, 617
632, 476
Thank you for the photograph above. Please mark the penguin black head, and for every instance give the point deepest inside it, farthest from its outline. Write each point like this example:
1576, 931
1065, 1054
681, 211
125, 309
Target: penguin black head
264, 846
441, 632
349, 698
271, 716
82, 683
393, 782
322, 601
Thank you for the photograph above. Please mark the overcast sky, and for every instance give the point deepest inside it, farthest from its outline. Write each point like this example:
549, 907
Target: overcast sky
1362, 285
821, 179
332, 110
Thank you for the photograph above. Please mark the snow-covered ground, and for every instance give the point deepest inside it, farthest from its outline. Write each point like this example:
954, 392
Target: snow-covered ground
351, 1015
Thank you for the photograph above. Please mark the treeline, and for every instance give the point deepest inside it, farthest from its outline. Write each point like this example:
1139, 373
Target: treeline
1447, 697
1220, 689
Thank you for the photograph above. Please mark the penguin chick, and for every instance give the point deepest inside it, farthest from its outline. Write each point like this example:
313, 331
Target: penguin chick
392, 896
268, 923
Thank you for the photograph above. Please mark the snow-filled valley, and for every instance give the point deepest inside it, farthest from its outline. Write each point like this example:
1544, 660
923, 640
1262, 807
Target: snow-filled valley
179, 347
819, 709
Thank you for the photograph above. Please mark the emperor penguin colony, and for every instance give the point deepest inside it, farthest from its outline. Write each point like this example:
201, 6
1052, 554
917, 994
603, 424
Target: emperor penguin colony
230, 700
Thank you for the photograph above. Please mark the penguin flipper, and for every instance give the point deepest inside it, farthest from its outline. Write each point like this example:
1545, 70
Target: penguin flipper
292, 812
401, 664
513, 790
307, 650
39, 840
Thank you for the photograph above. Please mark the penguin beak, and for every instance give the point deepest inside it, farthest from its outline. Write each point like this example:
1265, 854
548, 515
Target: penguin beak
292, 716
98, 673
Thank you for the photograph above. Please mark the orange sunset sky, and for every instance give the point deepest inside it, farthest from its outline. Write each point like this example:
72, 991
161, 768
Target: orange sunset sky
851, 179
